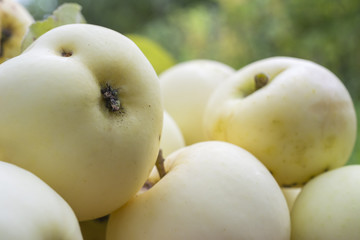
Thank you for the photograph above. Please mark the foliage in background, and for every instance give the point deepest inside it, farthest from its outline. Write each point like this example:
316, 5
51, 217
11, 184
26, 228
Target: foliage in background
64, 14
156, 54
237, 32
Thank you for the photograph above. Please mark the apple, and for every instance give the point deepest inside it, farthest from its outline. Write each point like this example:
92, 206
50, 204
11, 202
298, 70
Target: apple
32, 210
84, 114
328, 207
291, 194
172, 138
185, 89
298, 119
14, 23
211, 190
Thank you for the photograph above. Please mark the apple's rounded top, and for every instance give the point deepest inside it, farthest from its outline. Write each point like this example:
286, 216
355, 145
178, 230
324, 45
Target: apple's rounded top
209, 187
332, 198
198, 68
99, 48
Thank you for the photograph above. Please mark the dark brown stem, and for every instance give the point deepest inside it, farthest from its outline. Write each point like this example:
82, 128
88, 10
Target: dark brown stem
160, 164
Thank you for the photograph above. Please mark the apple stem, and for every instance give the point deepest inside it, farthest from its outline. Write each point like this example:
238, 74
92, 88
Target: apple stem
160, 164
261, 79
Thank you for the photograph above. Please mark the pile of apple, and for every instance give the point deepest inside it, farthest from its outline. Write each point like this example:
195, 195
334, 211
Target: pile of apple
94, 144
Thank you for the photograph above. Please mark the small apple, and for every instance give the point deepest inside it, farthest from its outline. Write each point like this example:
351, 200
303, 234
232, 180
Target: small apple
328, 207
294, 115
31, 210
84, 114
211, 190
171, 138
14, 23
186, 88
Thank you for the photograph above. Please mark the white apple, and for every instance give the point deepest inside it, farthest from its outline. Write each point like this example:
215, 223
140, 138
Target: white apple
186, 88
84, 113
172, 137
328, 207
212, 190
300, 124
171, 140
14, 23
30, 209
291, 194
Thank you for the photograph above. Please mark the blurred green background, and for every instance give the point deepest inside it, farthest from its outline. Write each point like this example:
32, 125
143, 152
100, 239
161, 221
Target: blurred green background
238, 32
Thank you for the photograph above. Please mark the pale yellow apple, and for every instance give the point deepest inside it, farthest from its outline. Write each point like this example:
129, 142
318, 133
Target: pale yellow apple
31, 210
328, 207
172, 138
186, 88
300, 124
81, 108
291, 194
212, 190
15, 20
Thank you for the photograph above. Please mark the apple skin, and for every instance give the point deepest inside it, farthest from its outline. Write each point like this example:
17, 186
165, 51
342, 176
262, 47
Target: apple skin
14, 23
185, 89
172, 138
54, 121
212, 190
31, 210
299, 125
328, 207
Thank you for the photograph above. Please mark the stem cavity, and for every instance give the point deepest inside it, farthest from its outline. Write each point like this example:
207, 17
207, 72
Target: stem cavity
261, 79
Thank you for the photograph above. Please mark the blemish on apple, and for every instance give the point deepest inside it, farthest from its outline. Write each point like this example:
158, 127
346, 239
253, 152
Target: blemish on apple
110, 95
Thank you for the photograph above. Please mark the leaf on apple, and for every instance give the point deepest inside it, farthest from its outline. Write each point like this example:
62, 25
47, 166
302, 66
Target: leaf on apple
66, 13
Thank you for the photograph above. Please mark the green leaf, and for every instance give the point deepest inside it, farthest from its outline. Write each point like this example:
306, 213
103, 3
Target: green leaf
66, 13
